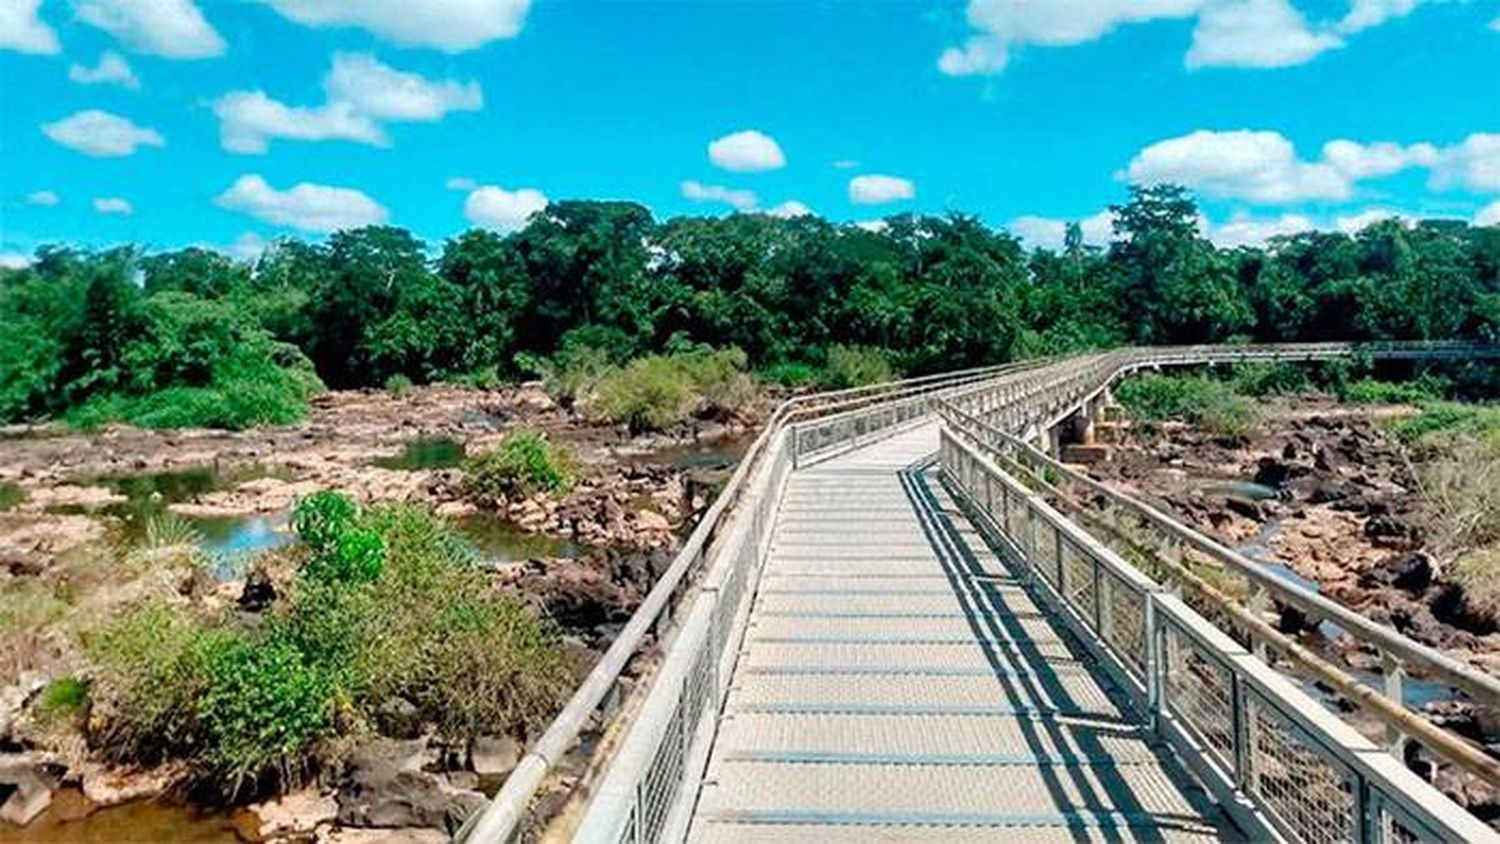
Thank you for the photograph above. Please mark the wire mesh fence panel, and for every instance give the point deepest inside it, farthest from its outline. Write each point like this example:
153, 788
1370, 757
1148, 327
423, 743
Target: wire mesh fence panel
658, 788
1078, 575
1125, 629
1308, 794
1044, 556
1199, 690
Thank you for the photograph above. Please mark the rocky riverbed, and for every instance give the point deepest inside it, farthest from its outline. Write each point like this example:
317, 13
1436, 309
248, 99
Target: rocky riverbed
69, 501
1324, 496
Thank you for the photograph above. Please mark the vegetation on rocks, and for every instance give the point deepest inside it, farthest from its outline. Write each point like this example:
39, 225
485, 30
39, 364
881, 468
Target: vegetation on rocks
1201, 400
524, 463
388, 611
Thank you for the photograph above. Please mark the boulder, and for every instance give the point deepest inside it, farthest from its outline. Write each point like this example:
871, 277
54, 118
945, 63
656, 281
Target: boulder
494, 756
295, 815
258, 592
108, 786
386, 786
33, 783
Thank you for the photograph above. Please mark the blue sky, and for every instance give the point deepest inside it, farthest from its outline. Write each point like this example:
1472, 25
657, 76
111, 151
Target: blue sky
175, 122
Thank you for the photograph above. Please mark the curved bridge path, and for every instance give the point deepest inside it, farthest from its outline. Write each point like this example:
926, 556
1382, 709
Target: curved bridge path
896, 680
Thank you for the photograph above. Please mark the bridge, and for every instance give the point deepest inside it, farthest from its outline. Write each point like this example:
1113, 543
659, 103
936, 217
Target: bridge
906, 618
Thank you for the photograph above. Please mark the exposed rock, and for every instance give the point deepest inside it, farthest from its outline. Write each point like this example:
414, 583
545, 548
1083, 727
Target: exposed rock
104, 785
410, 835
652, 521
1272, 472
33, 785
386, 786
1411, 572
258, 593
295, 815
494, 756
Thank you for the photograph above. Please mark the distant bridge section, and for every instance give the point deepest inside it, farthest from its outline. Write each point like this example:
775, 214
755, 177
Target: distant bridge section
905, 619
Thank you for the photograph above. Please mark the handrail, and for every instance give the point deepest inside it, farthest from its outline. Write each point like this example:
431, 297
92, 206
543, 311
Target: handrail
1448, 669
501, 818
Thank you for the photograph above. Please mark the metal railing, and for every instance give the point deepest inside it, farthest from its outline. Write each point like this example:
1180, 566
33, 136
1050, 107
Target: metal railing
719, 563
699, 606
1271, 754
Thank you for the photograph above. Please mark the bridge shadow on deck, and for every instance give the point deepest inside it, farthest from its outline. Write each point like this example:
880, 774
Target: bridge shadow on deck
1027, 678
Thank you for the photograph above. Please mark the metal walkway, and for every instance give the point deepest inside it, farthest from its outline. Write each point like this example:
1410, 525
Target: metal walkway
896, 682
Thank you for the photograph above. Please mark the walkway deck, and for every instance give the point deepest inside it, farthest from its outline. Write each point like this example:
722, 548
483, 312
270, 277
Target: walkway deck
896, 682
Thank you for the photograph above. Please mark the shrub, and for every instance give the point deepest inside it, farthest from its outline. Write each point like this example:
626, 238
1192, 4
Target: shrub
1423, 388
151, 667
398, 385
718, 377
855, 366
1269, 379
524, 463
263, 709
648, 394
789, 374
1442, 423
339, 548
62, 698
1478, 574
1201, 401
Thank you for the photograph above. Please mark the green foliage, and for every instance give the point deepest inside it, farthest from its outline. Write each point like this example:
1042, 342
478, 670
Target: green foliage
262, 706
398, 385
790, 374
1203, 401
1424, 388
11, 495
1269, 379
854, 366
263, 709
62, 698
1441, 423
340, 550
524, 463
655, 392
151, 665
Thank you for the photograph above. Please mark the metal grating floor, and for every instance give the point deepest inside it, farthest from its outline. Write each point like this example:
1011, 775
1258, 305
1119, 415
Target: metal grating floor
896, 683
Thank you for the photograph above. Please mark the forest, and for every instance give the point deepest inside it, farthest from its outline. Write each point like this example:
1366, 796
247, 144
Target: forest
192, 337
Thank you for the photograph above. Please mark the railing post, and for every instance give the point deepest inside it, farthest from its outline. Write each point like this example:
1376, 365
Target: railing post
1395, 682
1155, 664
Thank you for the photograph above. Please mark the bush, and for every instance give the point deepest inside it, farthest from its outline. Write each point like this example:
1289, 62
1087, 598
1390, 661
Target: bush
524, 463
62, 698
855, 366
1269, 379
150, 669
339, 549
398, 385
648, 394
1478, 574
263, 710
1423, 388
1201, 401
265, 705
1442, 423
789, 374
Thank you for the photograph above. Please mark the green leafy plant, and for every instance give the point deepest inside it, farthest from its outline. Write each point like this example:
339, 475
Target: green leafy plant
1202, 401
62, 698
340, 549
524, 463
855, 366
398, 385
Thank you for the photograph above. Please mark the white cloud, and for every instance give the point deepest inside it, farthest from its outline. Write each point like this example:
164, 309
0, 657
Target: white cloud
1254, 33
1005, 24
362, 94
14, 260
746, 152
740, 200
112, 69
172, 28
502, 210
22, 30
1244, 231
43, 197
113, 205
1473, 164
101, 134
1255, 166
1364, 14
306, 206
1356, 223
385, 93
1050, 233
1236, 33
872, 189
249, 119
1489, 215
463, 183
1372, 161
449, 25
789, 209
